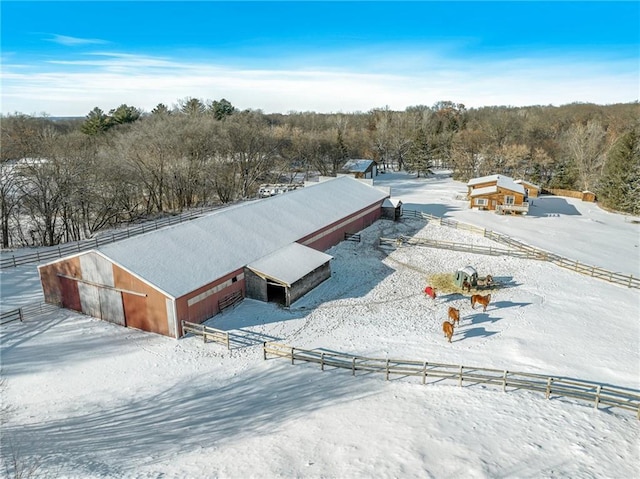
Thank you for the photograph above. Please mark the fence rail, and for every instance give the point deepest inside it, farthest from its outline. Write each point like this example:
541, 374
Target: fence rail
533, 253
100, 239
29, 311
597, 394
207, 332
230, 300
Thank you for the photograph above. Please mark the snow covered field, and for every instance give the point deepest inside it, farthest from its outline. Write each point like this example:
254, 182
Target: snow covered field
86, 399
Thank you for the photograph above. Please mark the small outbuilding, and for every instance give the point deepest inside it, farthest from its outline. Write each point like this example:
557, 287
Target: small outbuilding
361, 168
531, 190
468, 274
392, 209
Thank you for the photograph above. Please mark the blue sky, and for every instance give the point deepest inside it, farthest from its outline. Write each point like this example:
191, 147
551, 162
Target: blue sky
65, 58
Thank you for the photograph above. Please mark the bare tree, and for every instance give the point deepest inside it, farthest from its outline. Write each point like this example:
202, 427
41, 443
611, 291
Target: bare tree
586, 145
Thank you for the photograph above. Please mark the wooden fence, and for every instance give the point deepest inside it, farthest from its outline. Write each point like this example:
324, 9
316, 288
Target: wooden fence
230, 300
60, 251
531, 252
597, 394
207, 332
352, 237
29, 311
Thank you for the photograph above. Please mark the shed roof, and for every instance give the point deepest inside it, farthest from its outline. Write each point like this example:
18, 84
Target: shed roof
468, 270
289, 264
502, 181
525, 182
357, 165
183, 257
485, 190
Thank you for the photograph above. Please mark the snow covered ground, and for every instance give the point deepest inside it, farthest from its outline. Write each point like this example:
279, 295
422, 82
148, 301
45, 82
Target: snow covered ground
86, 399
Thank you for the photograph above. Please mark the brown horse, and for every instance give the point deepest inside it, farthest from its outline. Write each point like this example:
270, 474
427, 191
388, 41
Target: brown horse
447, 328
454, 315
483, 300
466, 285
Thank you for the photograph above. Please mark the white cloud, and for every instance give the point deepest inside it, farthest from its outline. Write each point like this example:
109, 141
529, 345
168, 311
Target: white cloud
74, 87
75, 41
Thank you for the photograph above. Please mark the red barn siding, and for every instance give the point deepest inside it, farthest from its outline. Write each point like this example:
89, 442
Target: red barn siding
334, 233
51, 285
190, 308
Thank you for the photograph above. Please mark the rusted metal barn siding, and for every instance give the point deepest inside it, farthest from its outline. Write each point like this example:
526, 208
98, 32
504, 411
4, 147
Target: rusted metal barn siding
203, 303
333, 234
53, 290
145, 307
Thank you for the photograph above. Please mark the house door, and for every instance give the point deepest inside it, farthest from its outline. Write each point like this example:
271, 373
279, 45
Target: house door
493, 204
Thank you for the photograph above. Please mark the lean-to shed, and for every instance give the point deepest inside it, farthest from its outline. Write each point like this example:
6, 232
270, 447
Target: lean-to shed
270, 249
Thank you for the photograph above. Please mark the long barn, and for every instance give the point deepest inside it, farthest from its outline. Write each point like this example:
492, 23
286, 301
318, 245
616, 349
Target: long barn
270, 249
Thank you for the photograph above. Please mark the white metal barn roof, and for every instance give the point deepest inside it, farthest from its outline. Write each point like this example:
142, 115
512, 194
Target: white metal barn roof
181, 258
289, 264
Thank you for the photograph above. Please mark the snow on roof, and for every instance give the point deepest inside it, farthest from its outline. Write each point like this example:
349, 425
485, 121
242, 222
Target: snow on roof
487, 190
502, 181
468, 270
181, 258
525, 182
357, 165
289, 264
391, 203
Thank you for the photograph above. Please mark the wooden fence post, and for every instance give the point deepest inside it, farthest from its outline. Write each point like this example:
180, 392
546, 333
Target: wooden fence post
292, 352
424, 373
228, 343
20, 314
264, 350
321, 361
630, 280
353, 366
504, 381
598, 395
548, 392
387, 370
460, 377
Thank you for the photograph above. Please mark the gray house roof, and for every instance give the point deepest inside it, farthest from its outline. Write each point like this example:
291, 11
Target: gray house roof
357, 165
181, 258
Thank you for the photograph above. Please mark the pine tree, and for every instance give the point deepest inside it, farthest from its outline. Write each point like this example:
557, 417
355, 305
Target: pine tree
619, 187
419, 158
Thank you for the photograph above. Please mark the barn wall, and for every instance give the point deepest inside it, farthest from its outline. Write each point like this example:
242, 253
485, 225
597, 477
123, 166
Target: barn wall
201, 304
51, 286
256, 286
147, 312
333, 234
307, 283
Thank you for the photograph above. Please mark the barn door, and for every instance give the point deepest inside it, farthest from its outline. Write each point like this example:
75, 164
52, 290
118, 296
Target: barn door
70, 294
103, 303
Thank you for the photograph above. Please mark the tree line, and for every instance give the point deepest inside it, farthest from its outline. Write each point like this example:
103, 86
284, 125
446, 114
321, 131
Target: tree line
66, 179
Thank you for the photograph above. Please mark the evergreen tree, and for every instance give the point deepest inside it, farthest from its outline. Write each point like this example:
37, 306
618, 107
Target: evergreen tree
419, 158
96, 122
619, 187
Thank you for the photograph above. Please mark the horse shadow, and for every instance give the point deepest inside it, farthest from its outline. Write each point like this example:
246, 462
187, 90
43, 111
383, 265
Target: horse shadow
475, 333
509, 304
502, 282
447, 298
482, 318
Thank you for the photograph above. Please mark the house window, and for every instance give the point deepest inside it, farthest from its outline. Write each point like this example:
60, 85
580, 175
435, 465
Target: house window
509, 199
481, 201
